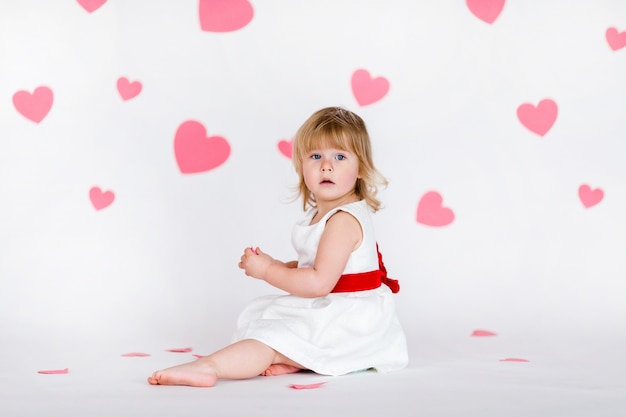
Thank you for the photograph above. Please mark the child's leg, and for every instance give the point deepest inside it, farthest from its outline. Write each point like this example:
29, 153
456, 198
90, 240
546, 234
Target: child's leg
243, 359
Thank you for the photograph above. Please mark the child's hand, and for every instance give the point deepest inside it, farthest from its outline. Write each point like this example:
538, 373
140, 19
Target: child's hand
255, 263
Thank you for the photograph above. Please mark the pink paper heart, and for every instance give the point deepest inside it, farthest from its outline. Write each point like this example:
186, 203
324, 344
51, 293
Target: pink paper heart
195, 152
91, 5
616, 39
54, 371
306, 386
483, 333
486, 10
224, 15
538, 119
588, 196
431, 212
34, 106
180, 350
286, 147
368, 90
128, 89
514, 360
100, 199
135, 355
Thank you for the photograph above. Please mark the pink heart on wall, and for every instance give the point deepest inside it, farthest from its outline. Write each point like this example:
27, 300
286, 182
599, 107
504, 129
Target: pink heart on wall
101, 199
538, 119
486, 10
195, 152
224, 15
431, 212
91, 5
34, 106
368, 90
286, 147
616, 40
588, 196
128, 89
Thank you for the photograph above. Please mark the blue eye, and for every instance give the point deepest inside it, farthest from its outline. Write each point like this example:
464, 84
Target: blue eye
340, 157
316, 156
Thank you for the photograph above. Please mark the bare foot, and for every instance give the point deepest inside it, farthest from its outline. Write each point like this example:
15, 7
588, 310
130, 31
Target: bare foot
194, 374
280, 369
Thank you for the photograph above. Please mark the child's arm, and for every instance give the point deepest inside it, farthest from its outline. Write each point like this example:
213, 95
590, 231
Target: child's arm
342, 234
291, 264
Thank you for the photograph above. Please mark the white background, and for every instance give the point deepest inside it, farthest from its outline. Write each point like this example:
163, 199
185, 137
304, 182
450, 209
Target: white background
157, 268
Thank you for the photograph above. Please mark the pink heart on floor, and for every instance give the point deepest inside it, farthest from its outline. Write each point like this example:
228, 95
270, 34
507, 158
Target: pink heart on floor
286, 147
588, 196
616, 40
538, 119
195, 152
306, 386
91, 5
431, 212
101, 199
180, 350
514, 360
128, 89
34, 106
368, 90
486, 10
54, 371
224, 15
483, 333
135, 354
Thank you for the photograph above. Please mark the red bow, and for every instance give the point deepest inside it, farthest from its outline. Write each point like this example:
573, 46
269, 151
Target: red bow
391, 283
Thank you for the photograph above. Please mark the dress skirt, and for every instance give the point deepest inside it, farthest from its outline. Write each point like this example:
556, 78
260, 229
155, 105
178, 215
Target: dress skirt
332, 335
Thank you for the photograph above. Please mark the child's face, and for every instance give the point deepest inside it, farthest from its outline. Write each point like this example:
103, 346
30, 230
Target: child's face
330, 174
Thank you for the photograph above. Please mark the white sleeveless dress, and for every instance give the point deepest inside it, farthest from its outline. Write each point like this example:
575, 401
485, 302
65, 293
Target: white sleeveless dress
341, 332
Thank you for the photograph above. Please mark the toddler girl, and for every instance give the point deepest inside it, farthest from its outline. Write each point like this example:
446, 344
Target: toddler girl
339, 314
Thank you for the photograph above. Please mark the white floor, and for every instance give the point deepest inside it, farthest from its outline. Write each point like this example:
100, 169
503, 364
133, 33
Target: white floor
572, 375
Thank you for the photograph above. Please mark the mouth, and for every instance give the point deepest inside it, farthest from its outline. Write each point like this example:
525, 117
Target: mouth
326, 181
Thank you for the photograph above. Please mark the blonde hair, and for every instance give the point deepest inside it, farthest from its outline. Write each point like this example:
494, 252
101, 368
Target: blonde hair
335, 127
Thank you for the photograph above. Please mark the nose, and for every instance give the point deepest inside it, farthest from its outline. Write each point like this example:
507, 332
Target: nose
327, 166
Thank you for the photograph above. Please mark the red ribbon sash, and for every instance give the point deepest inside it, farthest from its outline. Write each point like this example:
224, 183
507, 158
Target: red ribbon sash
364, 281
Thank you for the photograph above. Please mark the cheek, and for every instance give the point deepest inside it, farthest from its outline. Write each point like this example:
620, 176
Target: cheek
349, 179
308, 176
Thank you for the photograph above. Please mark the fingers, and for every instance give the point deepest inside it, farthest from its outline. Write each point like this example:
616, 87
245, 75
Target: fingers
249, 251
